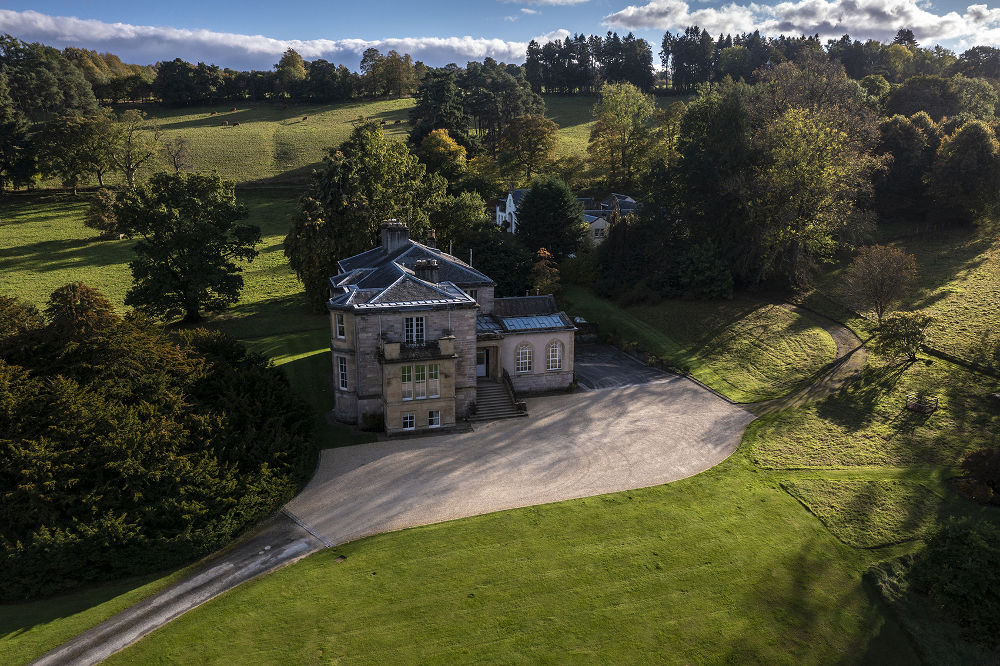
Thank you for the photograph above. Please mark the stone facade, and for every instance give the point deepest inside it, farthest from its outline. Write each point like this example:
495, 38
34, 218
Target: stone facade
539, 379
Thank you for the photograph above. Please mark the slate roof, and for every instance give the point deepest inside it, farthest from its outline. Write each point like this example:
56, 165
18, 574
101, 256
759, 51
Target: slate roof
524, 306
380, 269
379, 279
522, 314
624, 201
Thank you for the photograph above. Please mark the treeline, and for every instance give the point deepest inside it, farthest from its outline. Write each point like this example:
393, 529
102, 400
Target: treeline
695, 56
44, 81
126, 450
293, 80
580, 64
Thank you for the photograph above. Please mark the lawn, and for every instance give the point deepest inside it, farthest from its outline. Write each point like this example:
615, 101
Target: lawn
744, 348
721, 567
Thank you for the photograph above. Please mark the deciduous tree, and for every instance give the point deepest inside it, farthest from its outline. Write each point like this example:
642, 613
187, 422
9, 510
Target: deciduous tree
528, 145
878, 277
623, 135
190, 242
139, 144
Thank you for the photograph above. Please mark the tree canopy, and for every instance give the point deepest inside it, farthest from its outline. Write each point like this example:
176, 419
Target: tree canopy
190, 242
124, 450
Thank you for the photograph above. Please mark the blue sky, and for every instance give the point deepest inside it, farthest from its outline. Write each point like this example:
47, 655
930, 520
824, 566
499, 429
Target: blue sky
253, 33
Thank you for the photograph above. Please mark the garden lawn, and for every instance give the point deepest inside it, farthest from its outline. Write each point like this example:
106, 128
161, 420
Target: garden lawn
747, 350
867, 424
721, 567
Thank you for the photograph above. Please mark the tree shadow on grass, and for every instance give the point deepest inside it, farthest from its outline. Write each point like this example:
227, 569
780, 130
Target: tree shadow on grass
57, 255
20, 617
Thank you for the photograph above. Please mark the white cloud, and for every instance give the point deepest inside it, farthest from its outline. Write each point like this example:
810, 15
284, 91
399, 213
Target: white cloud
511, 18
876, 19
147, 44
526, 10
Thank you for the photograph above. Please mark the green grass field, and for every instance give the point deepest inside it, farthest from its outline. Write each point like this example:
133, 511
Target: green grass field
746, 349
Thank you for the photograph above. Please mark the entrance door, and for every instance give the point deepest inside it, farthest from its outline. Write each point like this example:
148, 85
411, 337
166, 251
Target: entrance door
482, 357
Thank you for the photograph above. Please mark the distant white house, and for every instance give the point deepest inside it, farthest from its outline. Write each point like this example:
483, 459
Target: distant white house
596, 218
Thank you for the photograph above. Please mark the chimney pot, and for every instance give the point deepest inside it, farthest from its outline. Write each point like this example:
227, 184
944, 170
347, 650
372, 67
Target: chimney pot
427, 270
395, 235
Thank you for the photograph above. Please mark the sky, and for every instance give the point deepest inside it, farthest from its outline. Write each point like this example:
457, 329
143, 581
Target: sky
252, 34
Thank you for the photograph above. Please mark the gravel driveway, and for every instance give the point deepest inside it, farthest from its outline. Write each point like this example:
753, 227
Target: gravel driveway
573, 445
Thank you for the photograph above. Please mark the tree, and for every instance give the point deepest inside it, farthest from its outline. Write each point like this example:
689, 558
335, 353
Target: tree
550, 217
101, 213
77, 311
901, 191
902, 333
312, 251
934, 94
878, 277
72, 146
528, 145
804, 192
439, 105
290, 73
623, 134
140, 142
177, 151
966, 173
191, 239
17, 155
544, 274
976, 97
442, 154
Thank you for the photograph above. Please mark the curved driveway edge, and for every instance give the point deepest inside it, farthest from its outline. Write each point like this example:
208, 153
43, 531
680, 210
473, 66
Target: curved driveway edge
572, 446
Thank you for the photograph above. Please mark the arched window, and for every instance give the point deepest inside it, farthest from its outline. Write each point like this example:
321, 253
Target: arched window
554, 356
524, 356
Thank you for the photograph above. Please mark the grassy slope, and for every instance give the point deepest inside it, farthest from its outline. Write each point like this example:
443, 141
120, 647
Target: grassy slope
719, 567
743, 348
958, 284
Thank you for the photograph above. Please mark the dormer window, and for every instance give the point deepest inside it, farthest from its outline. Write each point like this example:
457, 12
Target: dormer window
413, 330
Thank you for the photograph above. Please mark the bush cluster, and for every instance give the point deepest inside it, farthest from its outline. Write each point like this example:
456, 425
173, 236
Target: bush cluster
124, 449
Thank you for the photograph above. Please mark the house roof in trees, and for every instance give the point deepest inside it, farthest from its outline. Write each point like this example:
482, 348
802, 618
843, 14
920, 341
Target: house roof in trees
524, 306
380, 279
622, 201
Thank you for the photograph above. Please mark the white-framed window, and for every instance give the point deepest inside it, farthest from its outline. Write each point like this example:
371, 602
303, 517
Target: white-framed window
524, 357
409, 423
420, 381
554, 356
342, 373
341, 329
406, 377
434, 419
433, 380
413, 329
474, 293
598, 233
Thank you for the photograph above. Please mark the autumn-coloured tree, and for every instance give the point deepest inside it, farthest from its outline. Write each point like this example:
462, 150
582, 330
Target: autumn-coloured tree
879, 276
544, 273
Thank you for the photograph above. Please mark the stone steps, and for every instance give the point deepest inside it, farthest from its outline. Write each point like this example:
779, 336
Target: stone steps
493, 403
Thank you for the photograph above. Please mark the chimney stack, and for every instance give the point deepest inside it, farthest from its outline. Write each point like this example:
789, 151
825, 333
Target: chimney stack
395, 235
427, 270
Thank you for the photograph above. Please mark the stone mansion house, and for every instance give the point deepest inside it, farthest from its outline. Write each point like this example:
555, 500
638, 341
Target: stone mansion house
419, 341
